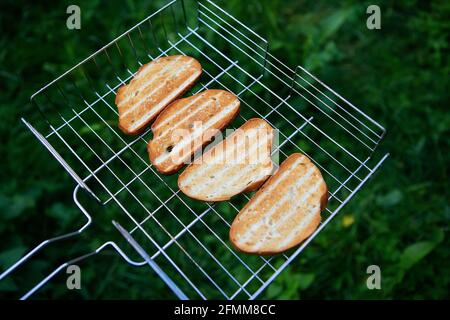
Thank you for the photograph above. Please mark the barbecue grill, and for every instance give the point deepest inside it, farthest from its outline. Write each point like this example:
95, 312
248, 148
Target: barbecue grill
186, 241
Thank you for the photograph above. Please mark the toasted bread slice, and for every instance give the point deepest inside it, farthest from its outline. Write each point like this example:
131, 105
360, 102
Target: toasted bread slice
284, 212
239, 163
155, 85
188, 124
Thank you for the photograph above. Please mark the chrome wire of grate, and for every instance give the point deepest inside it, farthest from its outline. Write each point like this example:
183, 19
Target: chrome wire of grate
189, 239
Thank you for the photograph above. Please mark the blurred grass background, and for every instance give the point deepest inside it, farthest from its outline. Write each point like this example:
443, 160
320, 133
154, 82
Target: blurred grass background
399, 75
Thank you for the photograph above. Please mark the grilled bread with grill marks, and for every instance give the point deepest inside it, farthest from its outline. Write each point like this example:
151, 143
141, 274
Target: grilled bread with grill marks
188, 124
284, 212
239, 163
155, 85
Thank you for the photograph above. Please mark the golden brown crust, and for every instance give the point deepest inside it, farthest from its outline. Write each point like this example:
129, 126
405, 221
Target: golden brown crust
324, 199
188, 124
154, 86
284, 212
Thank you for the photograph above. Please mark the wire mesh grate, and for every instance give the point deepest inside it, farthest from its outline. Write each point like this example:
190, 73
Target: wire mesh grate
188, 238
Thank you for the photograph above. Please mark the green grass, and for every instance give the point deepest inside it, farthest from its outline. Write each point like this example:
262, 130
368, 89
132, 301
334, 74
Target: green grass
399, 75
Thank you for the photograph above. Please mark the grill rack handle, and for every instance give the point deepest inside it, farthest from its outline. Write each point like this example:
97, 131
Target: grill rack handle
46, 242
72, 234
80, 182
78, 259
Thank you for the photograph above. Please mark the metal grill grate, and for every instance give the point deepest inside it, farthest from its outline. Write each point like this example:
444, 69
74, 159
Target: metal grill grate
189, 239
